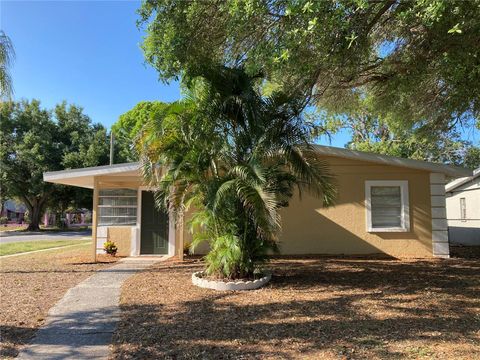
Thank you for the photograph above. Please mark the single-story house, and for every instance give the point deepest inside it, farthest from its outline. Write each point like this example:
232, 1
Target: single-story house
463, 210
385, 205
13, 210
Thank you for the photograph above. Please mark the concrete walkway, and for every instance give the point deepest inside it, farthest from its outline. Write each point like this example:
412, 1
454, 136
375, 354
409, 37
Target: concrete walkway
81, 324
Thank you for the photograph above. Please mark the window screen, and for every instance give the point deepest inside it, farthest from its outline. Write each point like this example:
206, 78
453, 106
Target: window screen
117, 207
386, 206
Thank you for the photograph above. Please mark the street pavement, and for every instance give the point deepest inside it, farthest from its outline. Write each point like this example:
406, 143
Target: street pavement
18, 236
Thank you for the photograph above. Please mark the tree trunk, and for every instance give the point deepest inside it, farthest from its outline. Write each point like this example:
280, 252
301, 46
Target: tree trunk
35, 215
35, 207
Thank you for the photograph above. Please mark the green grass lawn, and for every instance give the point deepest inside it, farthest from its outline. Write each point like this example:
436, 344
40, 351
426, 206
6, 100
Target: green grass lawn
23, 228
26, 246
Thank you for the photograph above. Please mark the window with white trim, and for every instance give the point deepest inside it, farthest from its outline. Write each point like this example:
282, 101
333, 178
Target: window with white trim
117, 207
387, 206
463, 209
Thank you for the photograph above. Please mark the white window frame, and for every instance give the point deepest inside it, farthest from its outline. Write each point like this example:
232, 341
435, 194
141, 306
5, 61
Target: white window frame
463, 209
405, 213
132, 223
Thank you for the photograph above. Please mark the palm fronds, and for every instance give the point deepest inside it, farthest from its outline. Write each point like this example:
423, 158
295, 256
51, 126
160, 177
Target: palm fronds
235, 158
7, 55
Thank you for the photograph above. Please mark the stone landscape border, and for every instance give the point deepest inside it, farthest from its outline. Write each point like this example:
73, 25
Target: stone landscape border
198, 280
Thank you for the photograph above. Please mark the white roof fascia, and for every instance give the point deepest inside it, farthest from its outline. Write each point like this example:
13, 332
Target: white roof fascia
54, 176
459, 182
453, 171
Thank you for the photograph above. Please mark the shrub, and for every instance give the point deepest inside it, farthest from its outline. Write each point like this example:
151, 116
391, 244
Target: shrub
110, 248
186, 249
3, 220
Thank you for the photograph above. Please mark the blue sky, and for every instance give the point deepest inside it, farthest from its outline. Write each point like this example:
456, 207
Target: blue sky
87, 53
84, 52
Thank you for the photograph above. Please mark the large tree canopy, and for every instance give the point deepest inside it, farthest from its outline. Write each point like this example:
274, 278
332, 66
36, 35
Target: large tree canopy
381, 134
82, 143
421, 59
35, 140
128, 126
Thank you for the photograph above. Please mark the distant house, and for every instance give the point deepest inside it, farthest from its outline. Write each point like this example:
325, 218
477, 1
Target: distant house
385, 205
463, 209
78, 217
14, 211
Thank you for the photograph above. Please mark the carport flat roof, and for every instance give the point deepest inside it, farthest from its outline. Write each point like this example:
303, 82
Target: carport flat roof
84, 177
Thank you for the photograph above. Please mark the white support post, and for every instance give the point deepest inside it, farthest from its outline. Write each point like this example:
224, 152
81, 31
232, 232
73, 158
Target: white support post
95, 218
440, 244
180, 245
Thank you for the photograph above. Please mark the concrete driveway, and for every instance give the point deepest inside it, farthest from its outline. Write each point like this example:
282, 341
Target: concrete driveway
12, 236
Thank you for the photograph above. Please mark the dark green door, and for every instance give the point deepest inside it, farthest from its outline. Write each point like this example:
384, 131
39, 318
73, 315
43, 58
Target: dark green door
154, 227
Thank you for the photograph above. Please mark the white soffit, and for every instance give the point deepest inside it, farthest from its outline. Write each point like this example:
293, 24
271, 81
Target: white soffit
84, 177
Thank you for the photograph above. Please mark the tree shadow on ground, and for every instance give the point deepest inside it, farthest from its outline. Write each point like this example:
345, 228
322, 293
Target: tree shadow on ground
11, 337
67, 334
346, 308
29, 289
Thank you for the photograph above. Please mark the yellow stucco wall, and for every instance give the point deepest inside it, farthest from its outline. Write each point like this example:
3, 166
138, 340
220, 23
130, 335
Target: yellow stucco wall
178, 231
188, 236
122, 237
307, 228
310, 229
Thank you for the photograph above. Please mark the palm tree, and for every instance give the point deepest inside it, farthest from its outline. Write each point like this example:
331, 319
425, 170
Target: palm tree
7, 55
235, 157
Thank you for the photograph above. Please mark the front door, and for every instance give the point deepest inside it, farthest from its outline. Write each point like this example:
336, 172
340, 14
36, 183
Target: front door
154, 227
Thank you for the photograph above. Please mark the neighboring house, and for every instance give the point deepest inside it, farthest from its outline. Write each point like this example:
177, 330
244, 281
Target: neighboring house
78, 217
463, 210
13, 210
385, 205
72, 218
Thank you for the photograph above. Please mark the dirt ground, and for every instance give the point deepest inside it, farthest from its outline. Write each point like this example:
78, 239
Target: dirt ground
31, 284
314, 308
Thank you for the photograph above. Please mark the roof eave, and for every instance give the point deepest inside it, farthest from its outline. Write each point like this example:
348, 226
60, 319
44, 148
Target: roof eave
68, 177
461, 181
452, 171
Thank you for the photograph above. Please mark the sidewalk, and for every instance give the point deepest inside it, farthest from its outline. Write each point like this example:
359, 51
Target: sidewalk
81, 324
